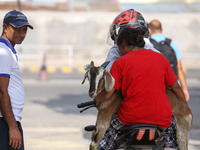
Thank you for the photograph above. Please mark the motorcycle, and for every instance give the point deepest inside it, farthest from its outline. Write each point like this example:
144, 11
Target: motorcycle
134, 137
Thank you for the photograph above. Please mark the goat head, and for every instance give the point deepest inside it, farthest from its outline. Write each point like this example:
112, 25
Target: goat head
99, 79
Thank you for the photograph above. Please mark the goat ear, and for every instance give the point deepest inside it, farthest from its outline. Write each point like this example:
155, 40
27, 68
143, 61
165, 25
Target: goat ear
86, 76
104, 65
86, 67
109, 81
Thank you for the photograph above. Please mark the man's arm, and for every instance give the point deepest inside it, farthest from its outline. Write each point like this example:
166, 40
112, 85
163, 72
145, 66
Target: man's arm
113, 54
15, 139
182, 79
181, 74
178, 91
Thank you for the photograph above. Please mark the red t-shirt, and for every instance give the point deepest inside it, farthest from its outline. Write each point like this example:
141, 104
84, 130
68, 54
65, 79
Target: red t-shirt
142, 76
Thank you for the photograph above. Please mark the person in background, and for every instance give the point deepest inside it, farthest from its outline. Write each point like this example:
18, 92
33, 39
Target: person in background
12, 94
156, 34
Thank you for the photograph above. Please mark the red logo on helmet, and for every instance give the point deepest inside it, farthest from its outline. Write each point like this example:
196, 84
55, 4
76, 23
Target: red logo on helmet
126, 17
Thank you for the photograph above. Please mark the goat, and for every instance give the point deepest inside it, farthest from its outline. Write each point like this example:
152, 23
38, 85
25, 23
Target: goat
99, 79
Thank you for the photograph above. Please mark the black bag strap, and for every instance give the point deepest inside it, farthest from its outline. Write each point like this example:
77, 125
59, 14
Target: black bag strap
168, 41
153, 41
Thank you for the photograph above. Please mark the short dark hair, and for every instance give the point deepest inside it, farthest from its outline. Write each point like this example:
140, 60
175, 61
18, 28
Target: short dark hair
132, 36
155, 26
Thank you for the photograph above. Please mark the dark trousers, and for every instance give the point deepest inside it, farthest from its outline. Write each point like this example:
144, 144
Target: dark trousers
4, 135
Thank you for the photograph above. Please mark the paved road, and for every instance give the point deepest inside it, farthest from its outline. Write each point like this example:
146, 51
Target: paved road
51, 119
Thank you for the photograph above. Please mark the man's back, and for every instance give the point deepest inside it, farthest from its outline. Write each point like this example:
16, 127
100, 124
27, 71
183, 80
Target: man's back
143, 82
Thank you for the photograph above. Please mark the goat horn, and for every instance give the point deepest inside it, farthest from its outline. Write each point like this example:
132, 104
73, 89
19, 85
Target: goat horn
104, 65
92, 64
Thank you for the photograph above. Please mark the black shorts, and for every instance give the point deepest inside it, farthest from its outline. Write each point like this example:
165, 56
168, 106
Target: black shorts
4, 135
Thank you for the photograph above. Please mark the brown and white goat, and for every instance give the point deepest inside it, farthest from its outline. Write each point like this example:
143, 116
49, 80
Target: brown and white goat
99, 79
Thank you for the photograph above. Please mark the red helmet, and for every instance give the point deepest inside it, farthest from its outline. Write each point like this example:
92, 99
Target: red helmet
127, 18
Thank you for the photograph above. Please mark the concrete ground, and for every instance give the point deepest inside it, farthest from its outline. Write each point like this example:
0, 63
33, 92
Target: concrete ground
51, 119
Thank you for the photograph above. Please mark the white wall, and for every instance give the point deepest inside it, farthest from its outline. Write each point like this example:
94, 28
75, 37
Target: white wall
86, 33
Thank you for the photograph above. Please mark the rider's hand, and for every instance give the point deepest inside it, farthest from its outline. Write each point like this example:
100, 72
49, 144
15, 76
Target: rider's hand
187, 96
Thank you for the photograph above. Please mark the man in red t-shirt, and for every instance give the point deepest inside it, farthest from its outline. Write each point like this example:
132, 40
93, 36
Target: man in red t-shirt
142, 76
142, 81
